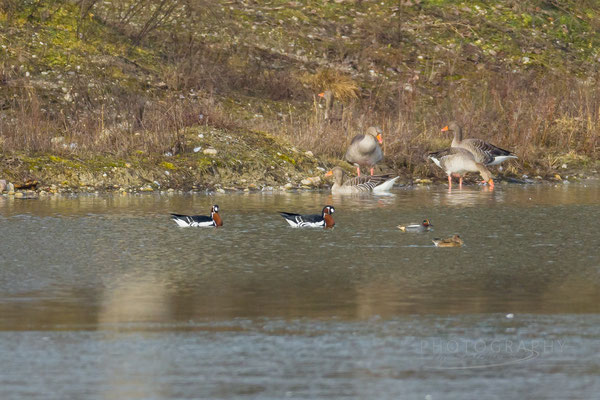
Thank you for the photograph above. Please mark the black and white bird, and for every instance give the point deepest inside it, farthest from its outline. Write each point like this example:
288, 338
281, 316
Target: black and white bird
325, 220
199, 220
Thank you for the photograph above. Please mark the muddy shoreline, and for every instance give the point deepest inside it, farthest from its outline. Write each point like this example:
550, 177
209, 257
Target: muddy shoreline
53, 175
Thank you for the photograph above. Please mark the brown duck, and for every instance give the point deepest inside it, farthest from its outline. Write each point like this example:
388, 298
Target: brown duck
454, 241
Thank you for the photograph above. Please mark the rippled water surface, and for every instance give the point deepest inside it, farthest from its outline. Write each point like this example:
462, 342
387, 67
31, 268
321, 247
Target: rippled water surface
105, 297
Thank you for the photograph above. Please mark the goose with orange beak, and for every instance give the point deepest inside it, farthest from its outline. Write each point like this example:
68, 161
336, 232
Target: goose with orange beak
458, 161
484, 152
365, 150
359, 184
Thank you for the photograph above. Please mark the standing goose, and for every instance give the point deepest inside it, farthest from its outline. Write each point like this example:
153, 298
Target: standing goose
458, 161
359, 184
328, 96
484, 152
199, 220
364, 149
325, 220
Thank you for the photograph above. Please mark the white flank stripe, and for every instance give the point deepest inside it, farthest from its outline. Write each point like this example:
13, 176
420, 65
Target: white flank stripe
501, 159
385, 186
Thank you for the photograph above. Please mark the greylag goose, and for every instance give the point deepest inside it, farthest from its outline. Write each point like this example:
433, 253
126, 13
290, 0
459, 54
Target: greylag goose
422, 227
324, 220
458, 161
199, 220
454, 241
359, 184
328, 96
364, 150
484, 152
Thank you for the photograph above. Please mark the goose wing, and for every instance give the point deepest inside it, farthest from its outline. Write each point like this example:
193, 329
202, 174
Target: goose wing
485, 152
366, 183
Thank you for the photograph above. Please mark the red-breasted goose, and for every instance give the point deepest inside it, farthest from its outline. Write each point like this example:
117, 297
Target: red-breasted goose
324, 220
199, 220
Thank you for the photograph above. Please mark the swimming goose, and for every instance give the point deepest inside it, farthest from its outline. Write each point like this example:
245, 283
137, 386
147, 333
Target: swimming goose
199, 220
325, 220
422, 227
458, 161
484, 152
454, 241
359, 184
364, 149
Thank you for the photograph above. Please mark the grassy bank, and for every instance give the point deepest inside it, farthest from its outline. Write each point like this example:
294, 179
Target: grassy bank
135, 83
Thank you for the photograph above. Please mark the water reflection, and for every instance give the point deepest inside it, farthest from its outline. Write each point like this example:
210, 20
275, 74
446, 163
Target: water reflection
111, 259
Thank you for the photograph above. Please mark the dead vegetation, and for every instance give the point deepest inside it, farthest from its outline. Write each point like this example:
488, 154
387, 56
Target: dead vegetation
126, 76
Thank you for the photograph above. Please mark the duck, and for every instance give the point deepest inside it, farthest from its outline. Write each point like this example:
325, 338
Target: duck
484, 152
454, 241
422, 227
213, 220
359, 184
324, 220
458, 161
364, 150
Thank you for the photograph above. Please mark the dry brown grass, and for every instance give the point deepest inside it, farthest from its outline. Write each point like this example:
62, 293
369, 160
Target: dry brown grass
536, 116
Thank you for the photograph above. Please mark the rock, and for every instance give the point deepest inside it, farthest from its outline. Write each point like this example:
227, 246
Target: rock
309, 153
10, 188
220, 190
2, 185
19, 195
311, 181
210, 151
288, 186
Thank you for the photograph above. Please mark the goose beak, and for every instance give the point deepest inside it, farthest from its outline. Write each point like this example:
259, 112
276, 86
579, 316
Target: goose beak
379, 138
321, 94
329, 173
490, 182
444, 129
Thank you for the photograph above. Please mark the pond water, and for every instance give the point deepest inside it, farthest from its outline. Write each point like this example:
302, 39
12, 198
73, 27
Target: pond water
103, 296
